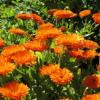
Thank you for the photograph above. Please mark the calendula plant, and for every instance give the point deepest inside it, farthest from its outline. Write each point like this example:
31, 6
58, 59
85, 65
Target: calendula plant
49, 53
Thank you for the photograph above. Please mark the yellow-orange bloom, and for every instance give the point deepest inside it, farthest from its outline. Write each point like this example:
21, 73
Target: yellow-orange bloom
84, 13
92, 81
96, 17
62, 76
9, 50
64, 14
14, 90
91, 97
81, 54
24, 16
48, 69
24, 57
6, 67
69, 39
34, 17
44, 34
36, 45
1, 42
17, 31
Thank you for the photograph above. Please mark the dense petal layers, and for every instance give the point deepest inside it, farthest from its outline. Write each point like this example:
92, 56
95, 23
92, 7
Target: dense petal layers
24, 57
9, 50
36, 45
62, 76
14, 90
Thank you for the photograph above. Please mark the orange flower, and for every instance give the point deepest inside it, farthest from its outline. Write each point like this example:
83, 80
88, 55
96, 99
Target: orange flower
92, 81
98, 68
24, 16
48, 69
1, 42
14, 90
81, 54
69, 39
51, 11
36, 45
34, 17
6, 67
9, 50
61, 76
44, 34
89, 44
84, 13
64, 14
24, 57
17, 31
96, 18
91, 97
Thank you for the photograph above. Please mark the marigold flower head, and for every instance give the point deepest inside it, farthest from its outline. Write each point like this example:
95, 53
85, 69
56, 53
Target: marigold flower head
17, 31
1, 42
6, 67
9, 50
14, 90
64, 14
24, 16
96, 18
34, 17
62, 76
24, 57
48, 69
69, 39
46, 34
36, 45
81, 54
92, 81
84, 13
91, 97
